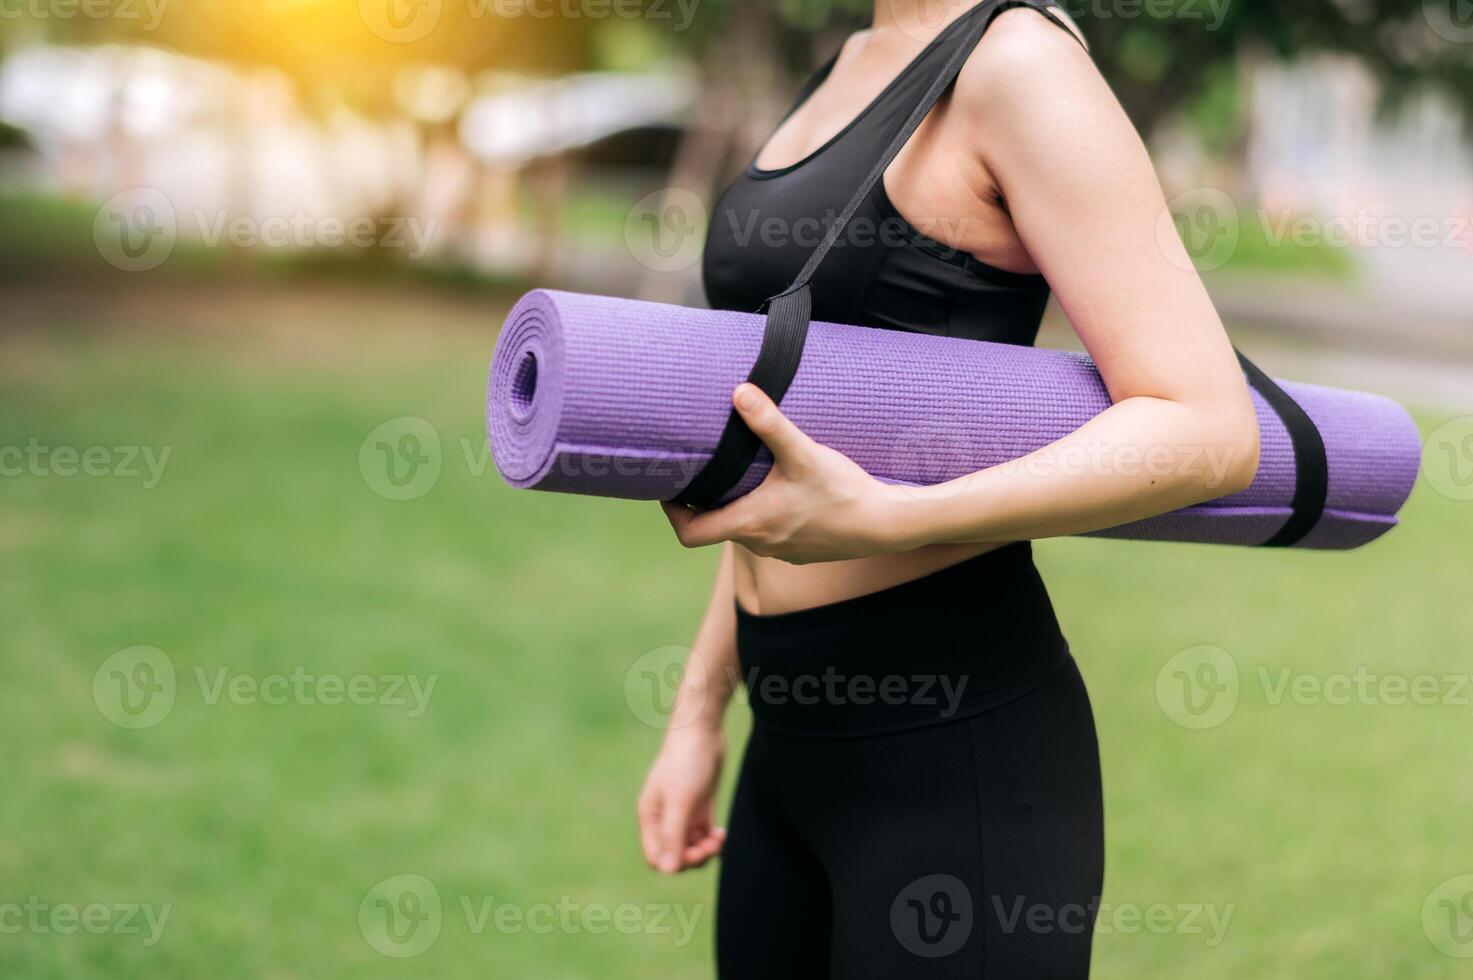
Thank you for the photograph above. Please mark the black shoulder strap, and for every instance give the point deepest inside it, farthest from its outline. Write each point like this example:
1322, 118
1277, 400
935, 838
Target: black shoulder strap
788, 314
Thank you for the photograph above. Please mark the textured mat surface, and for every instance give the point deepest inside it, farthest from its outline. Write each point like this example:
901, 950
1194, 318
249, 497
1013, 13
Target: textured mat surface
620, 398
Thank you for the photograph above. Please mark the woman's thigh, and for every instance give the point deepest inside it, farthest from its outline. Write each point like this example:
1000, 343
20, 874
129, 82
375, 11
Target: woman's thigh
968, 849
772, 908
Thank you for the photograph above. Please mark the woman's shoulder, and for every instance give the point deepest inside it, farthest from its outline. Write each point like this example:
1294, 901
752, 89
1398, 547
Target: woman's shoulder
1031, 28
1024, 60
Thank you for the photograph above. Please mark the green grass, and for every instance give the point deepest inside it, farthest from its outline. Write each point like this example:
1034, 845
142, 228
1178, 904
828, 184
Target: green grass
263, 550
1266, 245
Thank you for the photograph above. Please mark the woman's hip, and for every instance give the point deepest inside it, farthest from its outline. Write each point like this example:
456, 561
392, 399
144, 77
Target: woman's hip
947, 646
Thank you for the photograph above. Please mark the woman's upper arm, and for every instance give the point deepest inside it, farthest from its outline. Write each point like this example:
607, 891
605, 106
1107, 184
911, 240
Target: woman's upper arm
1084, 197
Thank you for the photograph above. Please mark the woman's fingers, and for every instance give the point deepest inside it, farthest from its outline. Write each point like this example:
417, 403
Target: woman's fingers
704, 849
788, 443
791, 449
697, 529
649, 827
674, 823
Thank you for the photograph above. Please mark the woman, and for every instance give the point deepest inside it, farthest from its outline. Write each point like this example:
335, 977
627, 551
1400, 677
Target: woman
920, 796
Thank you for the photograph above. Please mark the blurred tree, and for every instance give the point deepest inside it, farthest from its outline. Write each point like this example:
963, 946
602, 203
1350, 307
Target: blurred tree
1161, 56
1163, 61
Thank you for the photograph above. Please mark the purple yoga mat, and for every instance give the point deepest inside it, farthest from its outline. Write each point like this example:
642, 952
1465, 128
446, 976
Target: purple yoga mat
621, 398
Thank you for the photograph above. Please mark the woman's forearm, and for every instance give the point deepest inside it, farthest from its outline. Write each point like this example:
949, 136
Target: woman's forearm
1140, 458
711, 672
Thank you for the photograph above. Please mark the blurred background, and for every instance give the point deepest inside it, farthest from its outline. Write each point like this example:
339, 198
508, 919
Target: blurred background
294, 686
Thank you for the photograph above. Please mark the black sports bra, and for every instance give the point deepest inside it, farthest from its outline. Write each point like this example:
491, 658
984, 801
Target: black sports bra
882, 272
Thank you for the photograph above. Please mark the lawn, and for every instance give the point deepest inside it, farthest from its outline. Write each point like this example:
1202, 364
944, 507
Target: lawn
266, 564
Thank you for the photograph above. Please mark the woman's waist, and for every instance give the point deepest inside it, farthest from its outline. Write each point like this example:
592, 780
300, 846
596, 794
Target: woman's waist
771, 587
972, 635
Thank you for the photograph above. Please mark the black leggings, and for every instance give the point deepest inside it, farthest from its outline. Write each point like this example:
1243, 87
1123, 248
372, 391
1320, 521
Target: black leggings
920, 796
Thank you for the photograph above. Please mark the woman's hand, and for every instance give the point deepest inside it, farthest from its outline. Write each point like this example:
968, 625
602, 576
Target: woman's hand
815, 505
676, 808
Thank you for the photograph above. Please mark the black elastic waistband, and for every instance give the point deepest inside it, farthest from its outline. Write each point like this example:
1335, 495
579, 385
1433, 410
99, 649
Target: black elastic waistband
947, 646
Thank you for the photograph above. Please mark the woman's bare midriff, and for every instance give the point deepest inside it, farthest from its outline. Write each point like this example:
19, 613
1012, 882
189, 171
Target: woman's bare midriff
769, 587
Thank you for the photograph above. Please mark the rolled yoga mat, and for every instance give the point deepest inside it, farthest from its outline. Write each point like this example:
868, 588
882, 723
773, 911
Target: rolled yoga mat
621, 398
